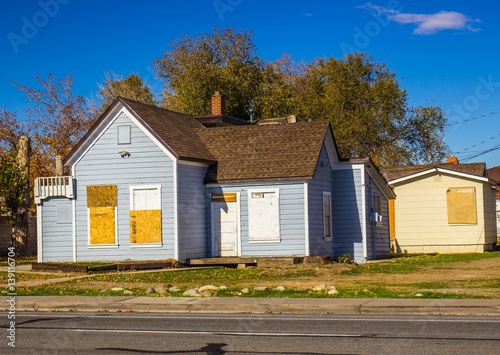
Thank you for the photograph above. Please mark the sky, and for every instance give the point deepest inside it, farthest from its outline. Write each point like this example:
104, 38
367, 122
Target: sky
443, 52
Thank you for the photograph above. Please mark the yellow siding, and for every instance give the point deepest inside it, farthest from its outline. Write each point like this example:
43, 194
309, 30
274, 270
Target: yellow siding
421, 216
145, 226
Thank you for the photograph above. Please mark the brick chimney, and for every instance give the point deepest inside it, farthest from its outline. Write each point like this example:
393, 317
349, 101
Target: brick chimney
217, 104
452, 160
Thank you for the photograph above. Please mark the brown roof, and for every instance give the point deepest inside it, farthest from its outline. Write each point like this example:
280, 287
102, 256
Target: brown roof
236, 153
269, 152
175, 130
476, 169
494, 174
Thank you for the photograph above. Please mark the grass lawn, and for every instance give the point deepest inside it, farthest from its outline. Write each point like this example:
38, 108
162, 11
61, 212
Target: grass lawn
426, 276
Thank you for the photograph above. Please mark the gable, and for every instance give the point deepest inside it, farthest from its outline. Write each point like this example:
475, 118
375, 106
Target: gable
174, 132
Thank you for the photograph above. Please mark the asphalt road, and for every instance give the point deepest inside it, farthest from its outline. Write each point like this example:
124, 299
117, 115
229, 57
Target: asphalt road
149, 333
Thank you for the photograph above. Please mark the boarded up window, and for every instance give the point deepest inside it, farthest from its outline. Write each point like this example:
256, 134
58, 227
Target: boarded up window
462, 205
145, 214
102, 202
263, 215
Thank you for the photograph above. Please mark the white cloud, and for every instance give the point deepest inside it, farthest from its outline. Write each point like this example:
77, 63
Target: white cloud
427, 24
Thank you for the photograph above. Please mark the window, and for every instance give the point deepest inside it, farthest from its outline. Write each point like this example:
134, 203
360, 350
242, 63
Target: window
145, 214
64, 215
327, 216
461, 205
124, 136
101, 204
264, 215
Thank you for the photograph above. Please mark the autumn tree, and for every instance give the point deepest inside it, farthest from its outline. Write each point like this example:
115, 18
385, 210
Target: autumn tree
195, 67
58, 119
132, 87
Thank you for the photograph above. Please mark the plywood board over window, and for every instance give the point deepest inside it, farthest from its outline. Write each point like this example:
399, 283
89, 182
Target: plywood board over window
462, 208
145, 215
102, 202
263, 215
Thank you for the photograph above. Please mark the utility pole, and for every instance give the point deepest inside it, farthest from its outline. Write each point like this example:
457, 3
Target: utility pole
20, 230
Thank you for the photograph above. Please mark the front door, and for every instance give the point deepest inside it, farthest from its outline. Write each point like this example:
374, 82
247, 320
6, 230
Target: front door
225, 219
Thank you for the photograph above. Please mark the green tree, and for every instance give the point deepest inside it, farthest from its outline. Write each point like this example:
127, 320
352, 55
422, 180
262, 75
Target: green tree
424, 134
197, 67
132, 87
362, 100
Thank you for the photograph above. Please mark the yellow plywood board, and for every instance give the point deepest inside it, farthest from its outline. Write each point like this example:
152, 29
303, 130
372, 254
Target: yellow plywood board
392, 219
224, 197
102, 225
145, 226
462, 205
102, 196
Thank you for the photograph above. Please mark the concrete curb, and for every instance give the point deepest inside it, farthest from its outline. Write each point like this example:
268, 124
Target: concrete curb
483, 307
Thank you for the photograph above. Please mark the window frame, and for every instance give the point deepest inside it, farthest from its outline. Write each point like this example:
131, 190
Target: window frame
158, 204
327, 234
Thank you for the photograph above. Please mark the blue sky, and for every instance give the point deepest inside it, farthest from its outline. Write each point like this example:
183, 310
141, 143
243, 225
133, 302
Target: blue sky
443, 52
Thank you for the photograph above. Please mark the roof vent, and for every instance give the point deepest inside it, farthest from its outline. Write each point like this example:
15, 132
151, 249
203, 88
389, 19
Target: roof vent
452, 160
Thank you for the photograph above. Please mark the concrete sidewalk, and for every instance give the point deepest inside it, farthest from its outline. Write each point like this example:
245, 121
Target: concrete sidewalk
459, 307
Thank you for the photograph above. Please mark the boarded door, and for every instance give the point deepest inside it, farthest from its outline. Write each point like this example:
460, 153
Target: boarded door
225, 209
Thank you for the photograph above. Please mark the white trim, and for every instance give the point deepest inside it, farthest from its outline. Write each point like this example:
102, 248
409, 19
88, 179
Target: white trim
439, 170
363, 214
103, 246
73, 220
105, 126
193, 163
306, 219
145, 245
238, 223
39, 233
176, 209
262, 241
214, 242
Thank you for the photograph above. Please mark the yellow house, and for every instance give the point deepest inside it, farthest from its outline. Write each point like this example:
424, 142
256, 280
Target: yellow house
442, 208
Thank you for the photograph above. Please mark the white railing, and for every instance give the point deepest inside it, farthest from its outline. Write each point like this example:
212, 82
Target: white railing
53, 186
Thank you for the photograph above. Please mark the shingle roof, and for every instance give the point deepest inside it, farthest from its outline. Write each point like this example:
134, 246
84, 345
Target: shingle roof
249, 153
476, 169
175, 130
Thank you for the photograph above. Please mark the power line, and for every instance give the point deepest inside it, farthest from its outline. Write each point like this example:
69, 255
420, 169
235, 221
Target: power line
472, 119
477, 144
472, 156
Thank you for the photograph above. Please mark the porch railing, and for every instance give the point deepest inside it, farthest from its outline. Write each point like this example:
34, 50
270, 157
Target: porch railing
53, 186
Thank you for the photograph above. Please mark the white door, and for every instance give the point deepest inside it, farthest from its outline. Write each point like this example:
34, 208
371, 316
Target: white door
225, 220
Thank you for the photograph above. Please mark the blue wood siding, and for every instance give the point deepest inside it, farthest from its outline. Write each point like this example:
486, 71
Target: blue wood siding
292, 220
348, 213
377, 234
57, 235
323, 181
146, 165
193, 205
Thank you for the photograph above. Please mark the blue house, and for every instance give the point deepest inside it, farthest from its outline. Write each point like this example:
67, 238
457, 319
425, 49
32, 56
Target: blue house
151, 184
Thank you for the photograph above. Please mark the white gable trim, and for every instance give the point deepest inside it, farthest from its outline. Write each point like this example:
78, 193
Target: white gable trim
306, 219
104, 126
439, 170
